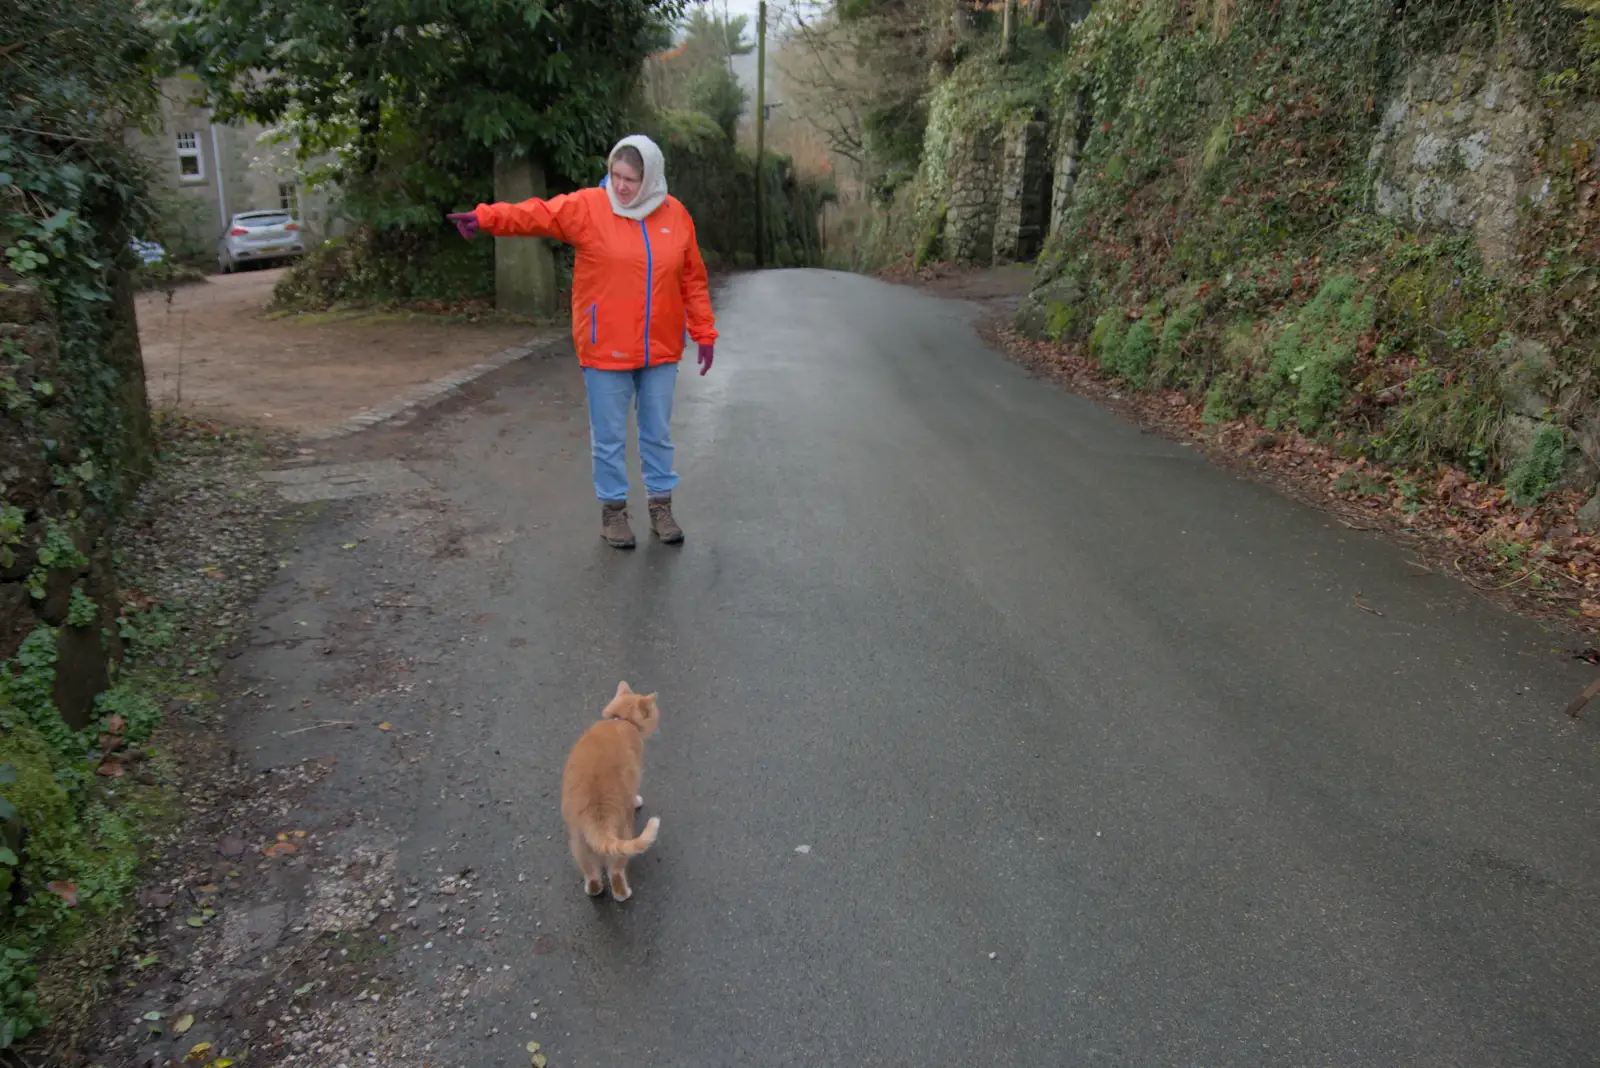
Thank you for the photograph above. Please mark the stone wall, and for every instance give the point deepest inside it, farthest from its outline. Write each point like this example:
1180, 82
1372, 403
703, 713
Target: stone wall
1466, 142
974, 197
32, 590
1067, 149
1456, 148
998, 192
1023, 213
1459, 148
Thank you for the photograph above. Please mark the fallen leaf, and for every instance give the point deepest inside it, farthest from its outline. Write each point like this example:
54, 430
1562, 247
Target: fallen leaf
299, 834
149, 961
532, 1047
197, 921
538, 1060
110, 767
152, 1016
280, 849
183, 1023
386, 726
348, 545
198, 1050
209, 888
67, 892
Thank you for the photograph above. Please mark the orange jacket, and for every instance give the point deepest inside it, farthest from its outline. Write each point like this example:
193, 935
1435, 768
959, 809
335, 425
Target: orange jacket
637, 284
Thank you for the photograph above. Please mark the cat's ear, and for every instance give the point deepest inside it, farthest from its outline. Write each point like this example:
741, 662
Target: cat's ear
650, 699
622, 688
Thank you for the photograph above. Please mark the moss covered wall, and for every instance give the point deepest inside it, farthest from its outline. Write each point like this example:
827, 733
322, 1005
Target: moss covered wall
1368, 221
1228, 174
981, 191
74, 438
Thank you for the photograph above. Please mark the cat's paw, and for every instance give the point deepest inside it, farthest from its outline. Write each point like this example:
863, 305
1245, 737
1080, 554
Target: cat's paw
620, 890
593, 887
638, 801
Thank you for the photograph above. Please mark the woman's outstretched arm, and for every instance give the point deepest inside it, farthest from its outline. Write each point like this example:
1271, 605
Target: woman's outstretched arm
564, 218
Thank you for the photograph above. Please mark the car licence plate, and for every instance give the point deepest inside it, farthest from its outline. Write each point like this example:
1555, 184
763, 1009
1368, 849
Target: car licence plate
271, 248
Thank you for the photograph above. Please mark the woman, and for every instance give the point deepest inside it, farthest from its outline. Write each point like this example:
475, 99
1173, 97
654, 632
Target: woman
637, 284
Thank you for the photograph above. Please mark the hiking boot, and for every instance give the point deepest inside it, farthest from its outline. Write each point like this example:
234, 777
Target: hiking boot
662, 525
614, 524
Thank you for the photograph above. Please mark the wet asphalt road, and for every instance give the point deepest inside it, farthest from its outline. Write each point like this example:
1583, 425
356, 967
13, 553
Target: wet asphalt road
1097, 760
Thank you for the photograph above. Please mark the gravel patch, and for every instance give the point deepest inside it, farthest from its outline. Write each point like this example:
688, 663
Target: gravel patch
262, 935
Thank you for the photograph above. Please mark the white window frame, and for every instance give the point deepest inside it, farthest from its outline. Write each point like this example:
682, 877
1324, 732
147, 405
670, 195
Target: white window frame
188, 147
289, 198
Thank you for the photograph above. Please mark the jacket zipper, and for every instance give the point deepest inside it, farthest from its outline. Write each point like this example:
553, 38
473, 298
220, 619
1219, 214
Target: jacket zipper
649, 280
591, 324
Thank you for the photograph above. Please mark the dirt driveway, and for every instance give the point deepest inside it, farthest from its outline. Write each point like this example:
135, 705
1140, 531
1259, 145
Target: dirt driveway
214, 351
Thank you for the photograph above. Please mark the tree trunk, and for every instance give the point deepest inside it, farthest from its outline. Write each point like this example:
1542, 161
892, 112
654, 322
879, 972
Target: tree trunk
524, 267
1008, 29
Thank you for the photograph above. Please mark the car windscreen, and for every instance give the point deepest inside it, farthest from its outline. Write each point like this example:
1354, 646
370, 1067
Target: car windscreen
276, 218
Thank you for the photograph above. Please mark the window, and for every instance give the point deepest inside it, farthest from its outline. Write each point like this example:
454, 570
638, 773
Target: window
289, 198
191, 167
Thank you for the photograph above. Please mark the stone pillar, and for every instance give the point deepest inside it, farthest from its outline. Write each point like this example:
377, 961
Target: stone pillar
974, 196
524, 267
1071, 134
1024, 191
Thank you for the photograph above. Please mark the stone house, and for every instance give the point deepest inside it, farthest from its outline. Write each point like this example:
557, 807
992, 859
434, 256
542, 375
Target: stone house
210, 171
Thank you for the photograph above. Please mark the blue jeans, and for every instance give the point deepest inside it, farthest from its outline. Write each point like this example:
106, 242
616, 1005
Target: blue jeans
611, 395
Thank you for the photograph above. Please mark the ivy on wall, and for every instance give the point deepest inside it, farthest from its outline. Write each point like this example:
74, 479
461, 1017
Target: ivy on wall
74, 434
71, 194
1221, 235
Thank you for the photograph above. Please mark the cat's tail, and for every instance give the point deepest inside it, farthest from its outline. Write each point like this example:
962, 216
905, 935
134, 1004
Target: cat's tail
609, 845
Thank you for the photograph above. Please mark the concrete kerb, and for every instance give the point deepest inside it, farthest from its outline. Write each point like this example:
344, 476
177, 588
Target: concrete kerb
430, 393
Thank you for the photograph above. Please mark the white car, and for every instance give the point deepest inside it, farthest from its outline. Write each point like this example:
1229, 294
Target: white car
265, 237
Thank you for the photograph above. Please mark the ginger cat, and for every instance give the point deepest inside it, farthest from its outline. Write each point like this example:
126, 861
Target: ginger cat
600, 791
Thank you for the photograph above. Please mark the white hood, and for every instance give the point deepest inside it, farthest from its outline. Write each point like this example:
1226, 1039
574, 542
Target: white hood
653, 188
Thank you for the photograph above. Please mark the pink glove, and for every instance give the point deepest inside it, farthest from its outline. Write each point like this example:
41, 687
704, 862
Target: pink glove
466, 223
705, 357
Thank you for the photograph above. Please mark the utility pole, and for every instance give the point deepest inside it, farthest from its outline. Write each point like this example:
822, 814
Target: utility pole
761, 130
